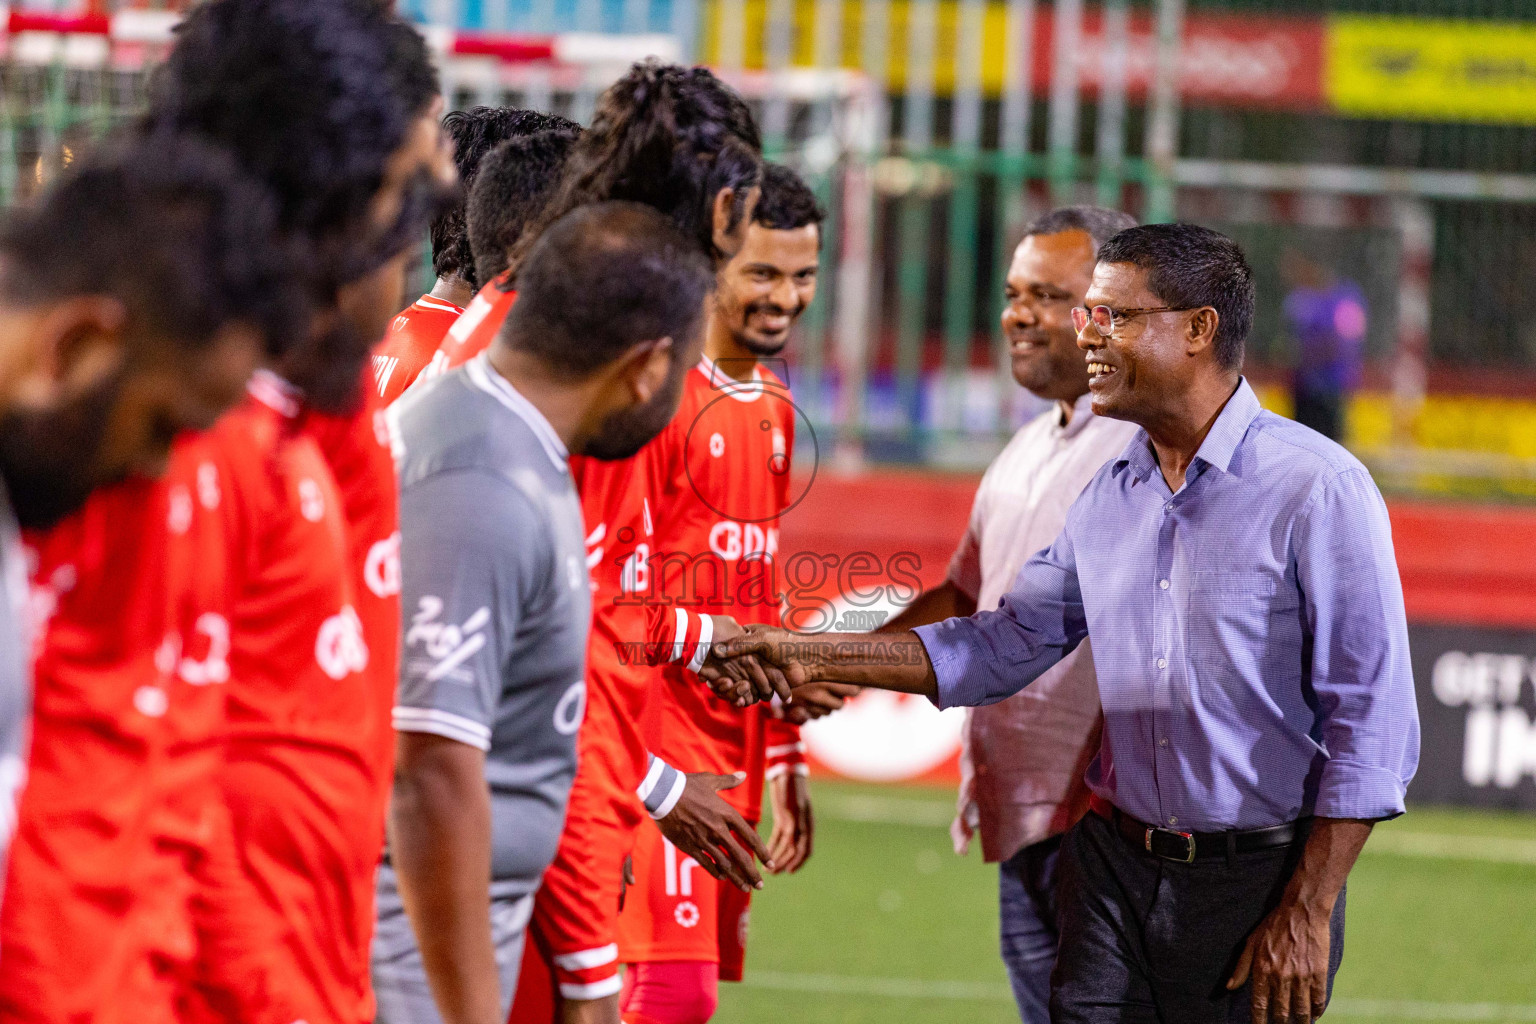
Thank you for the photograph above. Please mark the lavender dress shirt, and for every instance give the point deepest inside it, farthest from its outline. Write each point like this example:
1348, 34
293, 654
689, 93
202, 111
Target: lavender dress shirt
1248, 632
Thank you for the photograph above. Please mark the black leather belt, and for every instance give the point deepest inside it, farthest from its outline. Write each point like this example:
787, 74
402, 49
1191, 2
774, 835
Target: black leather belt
1188, 847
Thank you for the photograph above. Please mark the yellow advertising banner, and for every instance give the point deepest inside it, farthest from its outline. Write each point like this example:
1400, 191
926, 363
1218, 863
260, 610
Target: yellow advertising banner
1428, 70
1370, 66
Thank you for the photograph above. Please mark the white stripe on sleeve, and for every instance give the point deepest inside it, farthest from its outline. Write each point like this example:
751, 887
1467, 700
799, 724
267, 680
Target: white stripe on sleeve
701, 650
653, 773
442, 723
680, 633
597, 990
586, 959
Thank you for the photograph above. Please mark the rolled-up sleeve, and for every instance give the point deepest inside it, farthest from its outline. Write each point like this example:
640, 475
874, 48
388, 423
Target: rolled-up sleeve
994, 654
1362, 676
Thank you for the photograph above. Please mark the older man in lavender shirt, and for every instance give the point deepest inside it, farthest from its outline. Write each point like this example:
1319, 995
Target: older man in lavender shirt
1023, 758
1236, 572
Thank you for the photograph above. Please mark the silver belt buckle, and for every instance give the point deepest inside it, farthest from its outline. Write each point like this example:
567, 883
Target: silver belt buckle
1189, 844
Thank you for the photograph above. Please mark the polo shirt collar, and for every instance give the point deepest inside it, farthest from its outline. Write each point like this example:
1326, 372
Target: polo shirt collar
488, 379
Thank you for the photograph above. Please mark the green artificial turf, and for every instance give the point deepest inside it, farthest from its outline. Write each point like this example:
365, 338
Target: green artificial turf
886, 924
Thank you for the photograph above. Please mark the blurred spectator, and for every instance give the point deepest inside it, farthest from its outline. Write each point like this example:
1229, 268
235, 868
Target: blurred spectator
1326, 317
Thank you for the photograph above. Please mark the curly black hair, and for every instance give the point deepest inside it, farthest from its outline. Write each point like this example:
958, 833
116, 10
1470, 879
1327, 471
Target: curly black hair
476, 133
515, 182
171, 227
311, 96
666, 136
786, 201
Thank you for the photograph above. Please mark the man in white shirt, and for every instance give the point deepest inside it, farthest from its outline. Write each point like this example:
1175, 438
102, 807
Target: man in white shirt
1023, 759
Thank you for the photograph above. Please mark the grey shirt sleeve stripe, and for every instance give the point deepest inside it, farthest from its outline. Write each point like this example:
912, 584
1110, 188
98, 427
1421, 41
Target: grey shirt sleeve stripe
661, 789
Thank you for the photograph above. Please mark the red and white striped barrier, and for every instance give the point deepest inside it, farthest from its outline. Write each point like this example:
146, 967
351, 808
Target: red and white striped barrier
88, 40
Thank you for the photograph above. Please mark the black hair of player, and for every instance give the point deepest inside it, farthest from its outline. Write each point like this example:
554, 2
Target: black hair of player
602, 278
311, 96
667, 136
514, 183
1190, 266
1098, 222
786, 202
169, 226
475, 134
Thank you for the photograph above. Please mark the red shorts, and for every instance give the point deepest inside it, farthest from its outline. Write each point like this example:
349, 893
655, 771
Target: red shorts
676, 911
576, 911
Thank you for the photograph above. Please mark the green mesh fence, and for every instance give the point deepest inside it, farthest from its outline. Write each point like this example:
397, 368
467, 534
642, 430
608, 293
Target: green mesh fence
902, 357
50, 112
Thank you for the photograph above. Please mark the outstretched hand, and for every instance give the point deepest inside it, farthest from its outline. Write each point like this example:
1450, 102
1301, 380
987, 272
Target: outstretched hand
703, 826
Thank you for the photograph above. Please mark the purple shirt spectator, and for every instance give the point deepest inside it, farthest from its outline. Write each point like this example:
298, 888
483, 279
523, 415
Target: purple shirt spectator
1329, 327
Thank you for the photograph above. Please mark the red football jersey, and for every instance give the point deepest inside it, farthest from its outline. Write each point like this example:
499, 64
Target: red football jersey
410, 344
123, 826
302, 776
357, 449
718, 480
473, 332
619, 532
82, 849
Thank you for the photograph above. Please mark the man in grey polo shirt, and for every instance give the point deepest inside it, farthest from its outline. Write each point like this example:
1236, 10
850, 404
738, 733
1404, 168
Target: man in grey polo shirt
496, 597
1023, 759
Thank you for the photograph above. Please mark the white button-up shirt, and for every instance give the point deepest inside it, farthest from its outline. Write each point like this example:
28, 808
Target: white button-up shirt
1023, 759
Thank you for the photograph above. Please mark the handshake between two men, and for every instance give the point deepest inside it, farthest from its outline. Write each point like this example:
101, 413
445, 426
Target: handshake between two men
813, 674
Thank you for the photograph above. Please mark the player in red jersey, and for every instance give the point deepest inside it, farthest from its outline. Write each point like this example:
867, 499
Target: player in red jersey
415, 334
573, 928
413, 339
514, 181
312, 599
160, 263
719, 479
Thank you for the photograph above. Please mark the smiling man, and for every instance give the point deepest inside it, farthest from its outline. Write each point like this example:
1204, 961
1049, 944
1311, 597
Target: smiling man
1236, 572
1022, 759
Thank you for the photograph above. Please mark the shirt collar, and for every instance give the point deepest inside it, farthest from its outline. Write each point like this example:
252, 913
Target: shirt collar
1082, 412
741, 390
430, 301
275, 393
1230, 426
485, 377
1220, 443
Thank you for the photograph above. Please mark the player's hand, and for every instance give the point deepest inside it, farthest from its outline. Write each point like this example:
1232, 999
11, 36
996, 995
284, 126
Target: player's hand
626, 879
706, 828
731, 680
1286, 958
793, 825
818, 700
742, 681
780, 655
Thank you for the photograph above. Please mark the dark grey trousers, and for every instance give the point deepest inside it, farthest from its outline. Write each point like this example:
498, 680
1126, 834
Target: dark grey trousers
1150, 941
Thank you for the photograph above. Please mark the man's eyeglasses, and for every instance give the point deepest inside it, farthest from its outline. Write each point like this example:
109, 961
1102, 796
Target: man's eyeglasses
1103, 318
